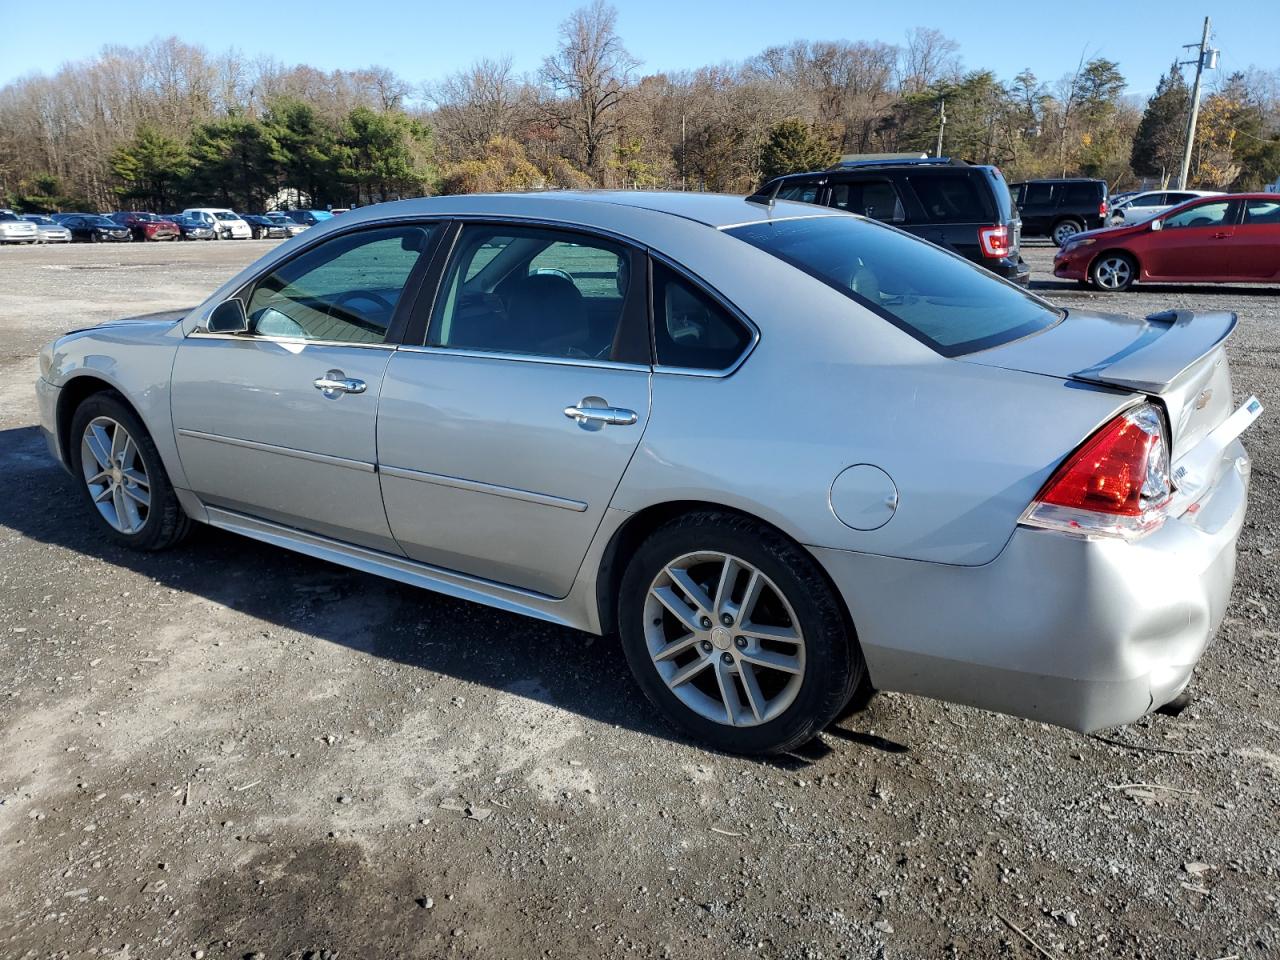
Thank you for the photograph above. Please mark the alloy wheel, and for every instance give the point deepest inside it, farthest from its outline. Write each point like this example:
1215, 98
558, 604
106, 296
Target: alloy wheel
115, 474
1113, 273
1064, 232
724, 639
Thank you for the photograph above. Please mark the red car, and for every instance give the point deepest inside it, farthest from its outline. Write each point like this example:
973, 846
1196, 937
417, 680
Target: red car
147, 226
1223, 239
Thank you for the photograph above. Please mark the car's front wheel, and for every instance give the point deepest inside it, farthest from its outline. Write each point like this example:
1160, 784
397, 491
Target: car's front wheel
1113, 272
122, 477
735, 634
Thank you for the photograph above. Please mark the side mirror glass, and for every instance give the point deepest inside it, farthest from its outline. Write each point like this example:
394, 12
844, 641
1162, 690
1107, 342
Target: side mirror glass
228, 317
1157, 224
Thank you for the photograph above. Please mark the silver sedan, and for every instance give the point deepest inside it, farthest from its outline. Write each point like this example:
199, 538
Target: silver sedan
789, 456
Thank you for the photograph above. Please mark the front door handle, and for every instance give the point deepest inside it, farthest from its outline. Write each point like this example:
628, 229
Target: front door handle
591, 416
335, 383
1222, 236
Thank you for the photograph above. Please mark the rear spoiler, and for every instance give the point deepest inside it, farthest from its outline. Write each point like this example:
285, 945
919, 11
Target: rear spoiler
1173, 341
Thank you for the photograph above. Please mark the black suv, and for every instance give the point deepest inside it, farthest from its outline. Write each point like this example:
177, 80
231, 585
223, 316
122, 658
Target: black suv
961, 207
1059, 209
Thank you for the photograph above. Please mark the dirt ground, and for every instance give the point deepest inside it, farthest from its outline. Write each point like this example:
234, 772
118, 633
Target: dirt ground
231, 751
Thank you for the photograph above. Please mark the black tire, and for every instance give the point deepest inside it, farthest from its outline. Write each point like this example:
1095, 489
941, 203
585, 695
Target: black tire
166, 524
833, 664
1106, 273
1061, 227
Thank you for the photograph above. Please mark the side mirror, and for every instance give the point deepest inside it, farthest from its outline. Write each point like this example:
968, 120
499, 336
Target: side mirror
1157, 224
228, 317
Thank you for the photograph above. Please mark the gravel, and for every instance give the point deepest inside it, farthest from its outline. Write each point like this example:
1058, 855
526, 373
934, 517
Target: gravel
175, 730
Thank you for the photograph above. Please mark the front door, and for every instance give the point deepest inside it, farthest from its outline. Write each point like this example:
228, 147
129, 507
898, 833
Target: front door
280, 422
502, 440
1193, 243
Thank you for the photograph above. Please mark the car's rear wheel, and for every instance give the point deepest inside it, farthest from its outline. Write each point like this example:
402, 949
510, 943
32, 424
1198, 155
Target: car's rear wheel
735, 634
122, 476
1113, 272
1064, 230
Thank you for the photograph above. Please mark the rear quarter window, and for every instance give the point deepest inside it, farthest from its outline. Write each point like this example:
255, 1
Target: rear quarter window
940, 299
950, 199
1082, 194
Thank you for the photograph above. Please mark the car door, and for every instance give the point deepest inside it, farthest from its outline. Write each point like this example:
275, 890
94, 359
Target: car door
1255, 253
1037, 207
503, 437
1193, 242
280, 422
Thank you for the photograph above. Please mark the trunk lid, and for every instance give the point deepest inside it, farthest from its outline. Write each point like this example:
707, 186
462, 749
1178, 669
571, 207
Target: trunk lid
1177, 357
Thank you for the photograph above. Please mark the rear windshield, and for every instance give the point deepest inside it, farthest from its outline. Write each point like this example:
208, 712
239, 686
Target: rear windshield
943, 300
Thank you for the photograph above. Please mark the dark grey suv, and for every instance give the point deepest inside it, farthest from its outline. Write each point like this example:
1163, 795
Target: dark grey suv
961, 207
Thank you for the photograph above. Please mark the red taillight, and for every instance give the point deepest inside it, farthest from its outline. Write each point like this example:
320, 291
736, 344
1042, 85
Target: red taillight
1117, 484
994, 240
1102, 209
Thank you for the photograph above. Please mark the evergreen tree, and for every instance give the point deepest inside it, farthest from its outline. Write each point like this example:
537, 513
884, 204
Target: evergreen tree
1157, 146
793, 146
151, 167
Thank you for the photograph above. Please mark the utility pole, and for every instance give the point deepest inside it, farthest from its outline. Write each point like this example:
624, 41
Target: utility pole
683, 142
1206, 60
942, 124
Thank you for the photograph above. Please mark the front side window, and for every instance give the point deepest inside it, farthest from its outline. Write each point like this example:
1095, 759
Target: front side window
1153, 200
948, 303
691, 329
877, 199
534, 292
1202, 215
345, 290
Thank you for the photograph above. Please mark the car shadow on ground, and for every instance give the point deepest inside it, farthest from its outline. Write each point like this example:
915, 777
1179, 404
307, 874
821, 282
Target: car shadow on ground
1236, 291
555, 665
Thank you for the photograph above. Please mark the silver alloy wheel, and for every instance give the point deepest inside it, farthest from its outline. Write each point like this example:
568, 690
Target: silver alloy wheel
115, 474
1064, 232
724, 639
1113, 272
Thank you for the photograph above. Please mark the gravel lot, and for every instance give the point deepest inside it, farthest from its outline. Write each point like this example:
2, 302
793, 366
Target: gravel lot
231, 751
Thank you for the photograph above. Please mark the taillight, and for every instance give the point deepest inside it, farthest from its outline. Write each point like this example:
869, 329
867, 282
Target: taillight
994, 240
1116, 485
1102, 209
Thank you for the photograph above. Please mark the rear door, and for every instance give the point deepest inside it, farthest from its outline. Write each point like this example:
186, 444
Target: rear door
1255, 253
502, 438
1194, 243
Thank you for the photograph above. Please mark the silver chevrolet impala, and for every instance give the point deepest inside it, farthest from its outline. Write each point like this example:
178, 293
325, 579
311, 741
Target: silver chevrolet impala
789, 455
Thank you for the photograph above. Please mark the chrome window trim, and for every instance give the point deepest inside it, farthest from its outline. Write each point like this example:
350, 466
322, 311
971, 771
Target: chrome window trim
478, 486
299, 341
360, 465
526, 358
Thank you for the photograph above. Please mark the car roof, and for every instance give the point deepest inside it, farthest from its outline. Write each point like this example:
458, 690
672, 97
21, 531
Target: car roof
602, 208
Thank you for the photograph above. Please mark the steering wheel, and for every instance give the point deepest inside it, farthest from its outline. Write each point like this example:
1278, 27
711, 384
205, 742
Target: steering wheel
375, 298
550, 272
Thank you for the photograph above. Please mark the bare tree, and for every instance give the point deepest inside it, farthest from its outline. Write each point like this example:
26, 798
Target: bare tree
927, 57
475, 105
588, 78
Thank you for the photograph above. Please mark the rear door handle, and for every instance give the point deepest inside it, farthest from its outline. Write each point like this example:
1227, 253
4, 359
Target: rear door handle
1221, 236
611, 416
335, 383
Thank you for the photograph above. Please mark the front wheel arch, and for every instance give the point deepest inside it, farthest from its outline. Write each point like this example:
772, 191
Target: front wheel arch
75, 392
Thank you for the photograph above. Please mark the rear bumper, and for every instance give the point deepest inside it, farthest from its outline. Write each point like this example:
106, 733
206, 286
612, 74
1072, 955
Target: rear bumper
1081, 633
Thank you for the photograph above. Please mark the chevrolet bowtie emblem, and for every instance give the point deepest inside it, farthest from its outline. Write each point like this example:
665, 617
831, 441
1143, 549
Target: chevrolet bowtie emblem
1203, 400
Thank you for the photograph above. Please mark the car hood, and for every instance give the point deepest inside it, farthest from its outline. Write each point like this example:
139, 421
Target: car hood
160, 322
1111, 233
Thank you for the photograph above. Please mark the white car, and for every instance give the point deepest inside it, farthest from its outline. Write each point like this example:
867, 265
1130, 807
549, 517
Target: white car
13, 229
1143, 206
227, 224
48, 229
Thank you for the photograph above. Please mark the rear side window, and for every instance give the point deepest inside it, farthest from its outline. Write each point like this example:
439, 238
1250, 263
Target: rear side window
950, 199
1262, 211
690, 328
1082, 194
877, 199
940, 299
803, 192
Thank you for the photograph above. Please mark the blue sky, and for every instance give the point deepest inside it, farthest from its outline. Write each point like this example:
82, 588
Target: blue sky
424, 40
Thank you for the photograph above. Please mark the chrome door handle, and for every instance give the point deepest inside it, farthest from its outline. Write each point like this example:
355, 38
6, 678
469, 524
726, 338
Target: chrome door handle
613, 416
335, 383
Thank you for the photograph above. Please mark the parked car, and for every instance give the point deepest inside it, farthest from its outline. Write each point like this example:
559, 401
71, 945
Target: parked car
48, 229
1115, 199
1222, 239
92, 228
1059, 209
601, 413
227, 224
62, 217
1144, 206
146, 226
264, 227
961, 207
309, 218
292, 227
193, 228
14, 229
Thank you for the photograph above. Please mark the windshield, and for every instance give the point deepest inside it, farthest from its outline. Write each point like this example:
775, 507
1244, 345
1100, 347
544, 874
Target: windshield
941, 299
225, 215
101, 222
8, 216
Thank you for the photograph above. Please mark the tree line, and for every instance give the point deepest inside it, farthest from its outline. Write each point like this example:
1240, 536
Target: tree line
169, 124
